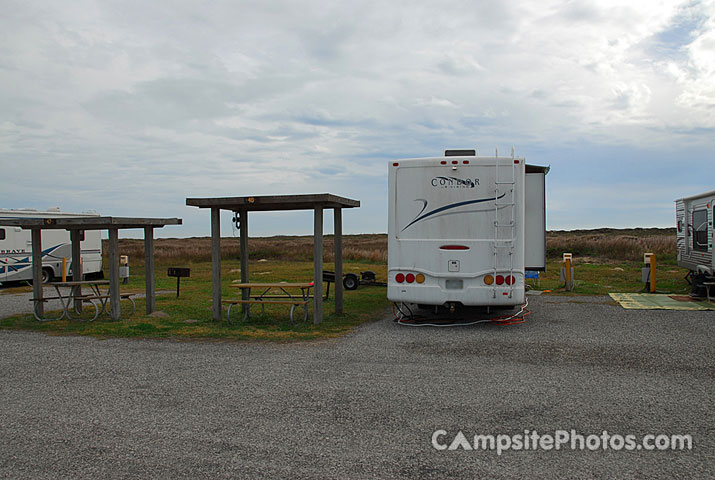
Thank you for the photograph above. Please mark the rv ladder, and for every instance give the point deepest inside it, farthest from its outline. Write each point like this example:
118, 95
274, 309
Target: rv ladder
508, 204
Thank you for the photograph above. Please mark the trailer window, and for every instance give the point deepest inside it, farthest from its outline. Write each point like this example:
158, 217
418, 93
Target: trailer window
700, 230
2, 234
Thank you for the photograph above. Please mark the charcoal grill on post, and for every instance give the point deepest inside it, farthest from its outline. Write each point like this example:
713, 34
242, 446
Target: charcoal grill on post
178, 273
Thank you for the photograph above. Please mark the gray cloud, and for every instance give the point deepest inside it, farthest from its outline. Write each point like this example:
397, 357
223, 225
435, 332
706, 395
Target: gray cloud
143, 104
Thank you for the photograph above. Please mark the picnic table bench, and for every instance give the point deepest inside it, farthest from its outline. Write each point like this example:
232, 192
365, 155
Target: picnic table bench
267, 296
77, 297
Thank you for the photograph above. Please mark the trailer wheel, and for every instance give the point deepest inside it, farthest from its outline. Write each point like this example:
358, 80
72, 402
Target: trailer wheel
351, 282
47, 275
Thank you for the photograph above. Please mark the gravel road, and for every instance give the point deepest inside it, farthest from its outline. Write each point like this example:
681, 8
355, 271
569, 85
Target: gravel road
365, 405
19, 303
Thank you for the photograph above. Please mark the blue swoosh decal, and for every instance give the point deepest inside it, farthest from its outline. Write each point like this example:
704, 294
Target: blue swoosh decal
448, 207
26, 261
424, 205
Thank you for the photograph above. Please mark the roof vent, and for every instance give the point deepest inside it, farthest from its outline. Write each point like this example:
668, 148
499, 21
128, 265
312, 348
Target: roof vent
460, 153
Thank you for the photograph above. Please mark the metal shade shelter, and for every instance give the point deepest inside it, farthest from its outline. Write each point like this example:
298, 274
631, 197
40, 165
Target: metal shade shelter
75, 226
243, 205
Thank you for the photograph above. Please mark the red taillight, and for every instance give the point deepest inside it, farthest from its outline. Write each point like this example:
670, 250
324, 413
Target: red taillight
454, 162
466, 162
454, 247
510, 280
395, 164
500, 280
399, 278
410, 278
443, 162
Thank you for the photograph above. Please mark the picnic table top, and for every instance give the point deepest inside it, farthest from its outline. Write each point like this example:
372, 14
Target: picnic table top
74, 283
276, 285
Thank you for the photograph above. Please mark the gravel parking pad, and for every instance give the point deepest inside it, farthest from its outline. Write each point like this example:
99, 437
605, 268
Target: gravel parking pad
365, 405
20, 303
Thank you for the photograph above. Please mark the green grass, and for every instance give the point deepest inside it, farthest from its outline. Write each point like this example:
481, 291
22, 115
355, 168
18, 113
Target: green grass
190, 315
622, 277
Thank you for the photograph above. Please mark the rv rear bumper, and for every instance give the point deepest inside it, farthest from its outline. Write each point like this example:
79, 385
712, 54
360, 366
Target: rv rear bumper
468, 296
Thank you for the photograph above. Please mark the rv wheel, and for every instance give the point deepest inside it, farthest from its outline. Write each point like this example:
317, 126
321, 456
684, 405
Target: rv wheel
46, 275
351, 282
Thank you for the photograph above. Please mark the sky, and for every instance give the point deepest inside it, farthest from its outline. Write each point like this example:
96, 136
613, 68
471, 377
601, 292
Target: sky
129, 107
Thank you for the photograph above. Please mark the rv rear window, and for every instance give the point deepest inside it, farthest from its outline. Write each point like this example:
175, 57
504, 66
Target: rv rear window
700, 230
2, 234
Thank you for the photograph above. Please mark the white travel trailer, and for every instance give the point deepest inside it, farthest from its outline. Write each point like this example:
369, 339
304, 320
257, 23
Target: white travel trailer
463, 229
16, 248
694, 221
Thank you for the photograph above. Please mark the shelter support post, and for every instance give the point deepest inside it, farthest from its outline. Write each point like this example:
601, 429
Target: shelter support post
216, 261
36, 236
338, 244
114, 273
149, 269
243, 218
318, 264
77, 273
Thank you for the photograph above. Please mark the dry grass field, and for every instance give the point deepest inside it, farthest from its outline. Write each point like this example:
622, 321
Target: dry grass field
603, 245
372, 248
613, 244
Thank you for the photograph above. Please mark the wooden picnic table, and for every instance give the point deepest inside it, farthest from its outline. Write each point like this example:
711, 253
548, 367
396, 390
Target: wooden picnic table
76, 296
267, 296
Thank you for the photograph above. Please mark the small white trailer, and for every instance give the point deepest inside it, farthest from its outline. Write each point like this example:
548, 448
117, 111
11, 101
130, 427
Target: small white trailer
694, 226
462, 229
16, 247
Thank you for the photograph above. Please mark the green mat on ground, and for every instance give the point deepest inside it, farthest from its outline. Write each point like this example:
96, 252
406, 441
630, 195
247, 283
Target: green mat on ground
654, 301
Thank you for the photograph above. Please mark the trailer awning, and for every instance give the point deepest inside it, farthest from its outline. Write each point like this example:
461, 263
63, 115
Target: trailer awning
537, 169
695, 197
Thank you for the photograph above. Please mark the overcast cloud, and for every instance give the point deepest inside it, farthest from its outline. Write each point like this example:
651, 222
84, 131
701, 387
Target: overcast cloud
129, 107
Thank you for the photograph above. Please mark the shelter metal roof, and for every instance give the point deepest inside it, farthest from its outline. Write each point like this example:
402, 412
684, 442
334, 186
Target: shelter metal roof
89, 223
275, 202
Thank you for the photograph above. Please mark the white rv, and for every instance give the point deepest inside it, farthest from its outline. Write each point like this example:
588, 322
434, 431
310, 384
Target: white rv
463, 229
16, 248
694, 223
